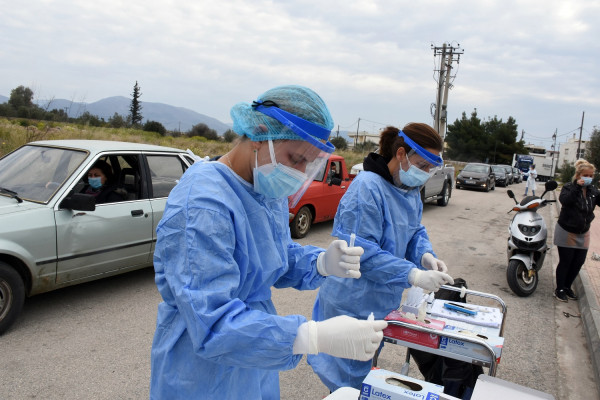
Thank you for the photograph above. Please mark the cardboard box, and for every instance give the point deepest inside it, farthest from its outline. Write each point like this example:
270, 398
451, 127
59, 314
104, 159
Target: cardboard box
381, 384
411, 335
470, 349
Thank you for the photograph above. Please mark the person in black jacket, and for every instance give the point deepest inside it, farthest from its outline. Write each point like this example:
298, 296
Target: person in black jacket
101, 184
572, 232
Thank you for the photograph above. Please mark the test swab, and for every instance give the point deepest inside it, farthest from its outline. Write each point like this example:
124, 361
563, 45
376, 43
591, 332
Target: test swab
351, 244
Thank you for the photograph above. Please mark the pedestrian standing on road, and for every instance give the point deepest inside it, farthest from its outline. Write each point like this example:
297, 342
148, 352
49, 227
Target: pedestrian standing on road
572, 232
531, 180
383, 208
224, 241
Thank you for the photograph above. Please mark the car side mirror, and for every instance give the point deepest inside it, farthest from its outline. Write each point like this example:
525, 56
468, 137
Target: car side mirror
79, 202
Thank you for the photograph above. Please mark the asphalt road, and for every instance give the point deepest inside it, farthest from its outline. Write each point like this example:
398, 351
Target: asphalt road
93, 341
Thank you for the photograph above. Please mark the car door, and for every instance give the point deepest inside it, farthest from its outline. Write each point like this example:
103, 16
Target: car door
164, 172
115, 236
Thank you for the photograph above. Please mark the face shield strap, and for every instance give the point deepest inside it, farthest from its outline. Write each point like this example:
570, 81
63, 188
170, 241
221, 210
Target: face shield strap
429, 157
298, 125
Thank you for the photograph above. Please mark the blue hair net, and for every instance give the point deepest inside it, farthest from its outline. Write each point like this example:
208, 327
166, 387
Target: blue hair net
297, 100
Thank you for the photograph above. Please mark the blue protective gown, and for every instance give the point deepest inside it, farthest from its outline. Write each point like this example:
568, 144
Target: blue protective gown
220, 247
387, 223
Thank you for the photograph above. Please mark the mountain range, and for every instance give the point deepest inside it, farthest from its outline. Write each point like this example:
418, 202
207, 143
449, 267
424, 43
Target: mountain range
173, 118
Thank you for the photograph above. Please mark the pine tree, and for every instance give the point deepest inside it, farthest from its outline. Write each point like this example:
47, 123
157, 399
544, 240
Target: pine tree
135, 110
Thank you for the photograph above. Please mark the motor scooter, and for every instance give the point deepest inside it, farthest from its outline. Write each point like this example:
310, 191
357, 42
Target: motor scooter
527, 242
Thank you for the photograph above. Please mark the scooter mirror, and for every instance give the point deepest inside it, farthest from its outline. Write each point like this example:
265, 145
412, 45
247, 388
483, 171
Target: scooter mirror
551, 185
510, 194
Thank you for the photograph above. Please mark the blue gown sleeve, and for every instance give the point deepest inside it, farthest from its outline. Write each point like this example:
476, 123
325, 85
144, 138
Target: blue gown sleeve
362, 213
419, 244
199, 273
302, 273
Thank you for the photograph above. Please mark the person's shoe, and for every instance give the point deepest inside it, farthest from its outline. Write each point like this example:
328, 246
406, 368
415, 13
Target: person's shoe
570, 294
561, 295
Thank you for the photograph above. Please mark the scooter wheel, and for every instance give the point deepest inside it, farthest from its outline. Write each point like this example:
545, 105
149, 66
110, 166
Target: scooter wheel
520, 281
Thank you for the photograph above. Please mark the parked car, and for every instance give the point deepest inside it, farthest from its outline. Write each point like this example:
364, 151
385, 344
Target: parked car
52, 235
476, 176
518, 175
320, 201
509, 174
500, 174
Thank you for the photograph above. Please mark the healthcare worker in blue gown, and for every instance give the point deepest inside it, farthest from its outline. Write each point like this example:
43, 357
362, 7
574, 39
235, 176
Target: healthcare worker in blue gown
224, 241
383, 207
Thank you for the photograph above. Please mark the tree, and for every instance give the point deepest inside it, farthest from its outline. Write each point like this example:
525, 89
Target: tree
467, 140
592, 153
203, 130
118, 121
135, 109
566, 172
155, 126
339, 142
229, 136
490, 141
21, 97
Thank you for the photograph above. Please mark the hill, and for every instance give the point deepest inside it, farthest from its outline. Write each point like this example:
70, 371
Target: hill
173, 118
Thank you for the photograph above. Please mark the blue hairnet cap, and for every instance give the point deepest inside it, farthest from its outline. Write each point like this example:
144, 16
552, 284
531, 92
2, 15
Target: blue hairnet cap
297, 100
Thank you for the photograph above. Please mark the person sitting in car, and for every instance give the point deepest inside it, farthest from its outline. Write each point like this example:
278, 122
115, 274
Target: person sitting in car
100, 184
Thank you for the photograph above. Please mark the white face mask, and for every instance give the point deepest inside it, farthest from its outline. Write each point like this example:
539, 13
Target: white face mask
413, 176
275, 180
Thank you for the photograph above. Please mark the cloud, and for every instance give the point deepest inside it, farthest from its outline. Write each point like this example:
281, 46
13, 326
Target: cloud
534, 60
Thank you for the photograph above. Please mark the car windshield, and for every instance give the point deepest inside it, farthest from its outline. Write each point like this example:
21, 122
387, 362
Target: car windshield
499, 169
475, 168
36, 172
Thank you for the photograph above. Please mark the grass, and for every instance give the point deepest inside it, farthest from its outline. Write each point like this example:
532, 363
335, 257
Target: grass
17, 132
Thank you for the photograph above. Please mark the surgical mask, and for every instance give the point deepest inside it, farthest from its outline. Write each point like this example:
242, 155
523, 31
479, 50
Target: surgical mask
413, 176
276, 180
95, 183
587, 181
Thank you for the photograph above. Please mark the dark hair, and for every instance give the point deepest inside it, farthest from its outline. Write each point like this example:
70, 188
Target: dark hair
423, 134
105, 168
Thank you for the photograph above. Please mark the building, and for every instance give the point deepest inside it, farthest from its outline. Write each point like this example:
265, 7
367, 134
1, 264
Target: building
568, 151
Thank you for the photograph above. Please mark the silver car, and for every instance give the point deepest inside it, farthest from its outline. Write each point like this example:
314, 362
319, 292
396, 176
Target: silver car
52, 235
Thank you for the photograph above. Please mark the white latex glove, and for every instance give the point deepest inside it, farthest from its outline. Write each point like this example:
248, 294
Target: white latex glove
340, 260
428, 261
341, 336
429, 280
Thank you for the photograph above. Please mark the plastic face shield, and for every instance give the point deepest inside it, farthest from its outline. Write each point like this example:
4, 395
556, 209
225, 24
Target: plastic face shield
426, 161
308, 156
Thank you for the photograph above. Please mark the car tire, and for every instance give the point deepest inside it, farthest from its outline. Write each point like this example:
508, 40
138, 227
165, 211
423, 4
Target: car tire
301, 223
494, 187
12, 295
487, 186
446, 193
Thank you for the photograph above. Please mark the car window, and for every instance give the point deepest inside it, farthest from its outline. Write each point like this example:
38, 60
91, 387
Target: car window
123, 183
165, 171
475, 168
35, 173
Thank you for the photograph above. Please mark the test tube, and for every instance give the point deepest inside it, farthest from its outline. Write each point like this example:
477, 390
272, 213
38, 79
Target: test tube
351, 244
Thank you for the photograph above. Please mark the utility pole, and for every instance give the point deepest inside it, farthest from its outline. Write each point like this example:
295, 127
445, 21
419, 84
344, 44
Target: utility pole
580, 131
448, 54
357, 126
553, 151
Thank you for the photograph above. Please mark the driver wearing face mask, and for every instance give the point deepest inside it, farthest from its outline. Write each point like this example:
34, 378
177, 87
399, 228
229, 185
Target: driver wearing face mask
383, 207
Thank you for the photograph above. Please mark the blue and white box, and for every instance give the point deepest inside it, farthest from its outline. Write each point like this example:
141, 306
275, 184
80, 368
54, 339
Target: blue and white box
471, 349
381, 384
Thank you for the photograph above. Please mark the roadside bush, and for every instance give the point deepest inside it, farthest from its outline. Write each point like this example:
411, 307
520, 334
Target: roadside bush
155, 126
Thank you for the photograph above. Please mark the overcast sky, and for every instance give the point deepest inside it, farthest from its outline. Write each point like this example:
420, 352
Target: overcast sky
535, 60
